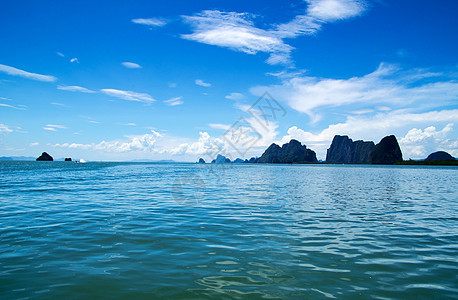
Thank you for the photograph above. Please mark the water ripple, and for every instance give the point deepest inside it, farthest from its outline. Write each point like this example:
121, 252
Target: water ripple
126, 230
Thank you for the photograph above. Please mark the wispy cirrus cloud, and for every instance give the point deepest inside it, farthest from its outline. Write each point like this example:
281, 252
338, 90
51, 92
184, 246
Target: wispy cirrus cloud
74, 88
53, 127
174, 101
12, 106
129, 95
202, 83
131, 65
60, 104
220, 126
318, 13
235, 31
127, 124
238, 32
235, 96
386, 86
21, 73
152, 22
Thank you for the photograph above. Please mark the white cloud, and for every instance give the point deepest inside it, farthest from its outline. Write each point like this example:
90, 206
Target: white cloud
300, 25
11, 106
420, 143
74, 60
34, 144
127, 124
131, 65
235, 96
142, 143
157, 144
248, 134
21, 73
60, 104
174, 101
53, 127
237, 32
129, 95
172, 84
60, 54
417, 135
318, 13
206, 145
5, 129
372, 128
267, 131
154, 22
202, 83
386, 85
242, 107
56, 126
362, 111
74, 88
333, 10
219, 126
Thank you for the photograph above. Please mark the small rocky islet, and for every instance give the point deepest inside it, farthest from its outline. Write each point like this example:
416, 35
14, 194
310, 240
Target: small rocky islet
45, 157
439, 155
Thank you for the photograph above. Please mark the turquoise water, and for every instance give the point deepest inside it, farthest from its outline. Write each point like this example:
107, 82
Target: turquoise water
124, 230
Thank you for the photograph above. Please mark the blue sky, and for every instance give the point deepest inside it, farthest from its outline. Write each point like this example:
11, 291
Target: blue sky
117, 80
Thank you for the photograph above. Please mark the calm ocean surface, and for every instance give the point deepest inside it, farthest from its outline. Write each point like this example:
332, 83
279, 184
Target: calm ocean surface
145, 230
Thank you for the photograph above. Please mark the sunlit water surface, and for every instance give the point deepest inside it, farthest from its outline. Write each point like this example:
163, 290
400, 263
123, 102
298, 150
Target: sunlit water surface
124, 230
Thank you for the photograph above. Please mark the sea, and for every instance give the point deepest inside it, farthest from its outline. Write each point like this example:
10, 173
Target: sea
231, 231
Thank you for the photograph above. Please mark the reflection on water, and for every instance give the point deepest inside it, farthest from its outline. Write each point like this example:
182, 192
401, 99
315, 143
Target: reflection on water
255, 231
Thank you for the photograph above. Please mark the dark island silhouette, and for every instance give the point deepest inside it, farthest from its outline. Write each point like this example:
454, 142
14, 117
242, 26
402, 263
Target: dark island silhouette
289, 153
439, 155
45, 157
343, 150
387, 152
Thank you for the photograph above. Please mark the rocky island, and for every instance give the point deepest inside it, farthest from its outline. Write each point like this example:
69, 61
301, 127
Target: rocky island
439, 155
289, 153
387, 152
344, 151
45, 157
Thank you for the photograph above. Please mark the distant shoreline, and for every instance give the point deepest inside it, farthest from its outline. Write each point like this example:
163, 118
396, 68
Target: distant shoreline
400, 163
